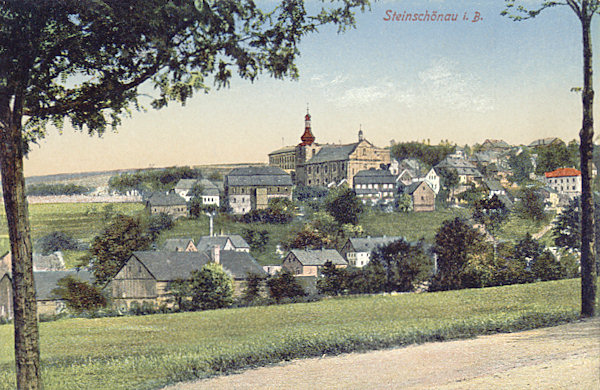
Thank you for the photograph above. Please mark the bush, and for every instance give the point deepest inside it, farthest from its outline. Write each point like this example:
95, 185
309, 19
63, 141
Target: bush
80, 296
211, 288
56, 241
284, 285
253, 287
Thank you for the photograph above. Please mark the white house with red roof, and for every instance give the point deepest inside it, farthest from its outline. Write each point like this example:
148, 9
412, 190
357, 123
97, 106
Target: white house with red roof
565, 181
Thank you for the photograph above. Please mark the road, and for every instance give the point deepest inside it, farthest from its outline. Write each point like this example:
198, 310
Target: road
561, 357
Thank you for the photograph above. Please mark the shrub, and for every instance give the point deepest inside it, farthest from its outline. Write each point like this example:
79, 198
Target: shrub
284, 285
211, 288
253, 287
80, 296
56, 241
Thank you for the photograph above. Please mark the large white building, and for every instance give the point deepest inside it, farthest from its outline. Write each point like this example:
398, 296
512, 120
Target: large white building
565, 181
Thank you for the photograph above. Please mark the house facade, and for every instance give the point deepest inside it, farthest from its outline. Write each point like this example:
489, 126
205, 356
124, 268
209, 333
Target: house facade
167, 203
231, 242
565, 181
179, 245
251, 188
183, 188
309, 262
375, 186
422, 196
357, 251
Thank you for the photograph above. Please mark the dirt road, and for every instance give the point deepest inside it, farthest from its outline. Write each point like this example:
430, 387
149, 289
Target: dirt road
562, 357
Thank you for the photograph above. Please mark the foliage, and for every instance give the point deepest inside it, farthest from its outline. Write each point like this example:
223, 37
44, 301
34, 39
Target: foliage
566, 228
210, 288
284, 285
429, 154
403, 203
455, 244
404, 264
280, 210
547, 267
304, 193
157, 223
56, 241
531, 205
196, 191
344, 205
150, 180
80, 296
472, 194
157, 350
490, 212
333, 281
111, 249
181, 292
554, 156
253, 287
256, 238
521, 166
56, 189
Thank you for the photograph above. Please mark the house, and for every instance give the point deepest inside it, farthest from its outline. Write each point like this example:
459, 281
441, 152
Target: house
494, 187
545, 142
45, 282
232, 242
565, 181
147, 276
467, 172
210, 193
183, 188
357, 251
167, 203
51, 262
375, 185
284, 158
495, 145
433, 179
422, 196
179, 245
251, 188
309, 262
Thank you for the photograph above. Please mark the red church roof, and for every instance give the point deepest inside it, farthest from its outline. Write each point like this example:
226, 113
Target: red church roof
562, 172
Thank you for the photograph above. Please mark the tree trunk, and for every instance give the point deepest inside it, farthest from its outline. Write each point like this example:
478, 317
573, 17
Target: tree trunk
586, 148
27, 353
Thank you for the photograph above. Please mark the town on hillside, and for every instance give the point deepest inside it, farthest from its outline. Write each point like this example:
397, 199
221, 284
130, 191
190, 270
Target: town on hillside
296, 226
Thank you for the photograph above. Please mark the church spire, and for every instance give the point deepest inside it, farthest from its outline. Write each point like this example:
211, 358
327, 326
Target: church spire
360, 134
307, 138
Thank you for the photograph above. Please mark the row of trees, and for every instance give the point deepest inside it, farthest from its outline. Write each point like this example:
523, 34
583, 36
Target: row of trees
57, 189
149, 180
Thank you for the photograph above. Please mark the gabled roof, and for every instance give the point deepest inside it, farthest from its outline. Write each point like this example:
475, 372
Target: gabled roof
208, 242
285, 149
412, 187
493, 185
496, 143
46, 281
544, 141
185, 184
333, 153
209, 188
258, 176
177, 244
370, 243
318, 257
563, 172
374, 176
168, 266
166, 199
240, 264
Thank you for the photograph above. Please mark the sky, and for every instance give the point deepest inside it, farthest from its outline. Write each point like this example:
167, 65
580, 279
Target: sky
464, 81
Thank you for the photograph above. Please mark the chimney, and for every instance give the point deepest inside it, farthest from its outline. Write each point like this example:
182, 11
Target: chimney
216, 254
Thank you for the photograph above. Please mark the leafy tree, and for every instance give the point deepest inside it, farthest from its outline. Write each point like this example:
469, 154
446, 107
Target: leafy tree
56, 241
455, 243
333, 280
370, 279
80, 296
180, 291
429, 154
547, 267
211, 288
158, 223
520, 165
403, 264
490, 212
257, 239
585, 11
253, 287
284, 285
403, 203
280, 211
111, 249
307, 238
531, 205
57, 189
344, 206
86, 60
304, 193
552, 157
567, 226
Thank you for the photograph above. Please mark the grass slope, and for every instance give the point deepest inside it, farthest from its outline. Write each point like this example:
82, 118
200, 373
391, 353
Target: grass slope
152, 351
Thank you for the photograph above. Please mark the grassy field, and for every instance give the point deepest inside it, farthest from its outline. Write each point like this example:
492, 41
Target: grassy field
152, 351
80, 220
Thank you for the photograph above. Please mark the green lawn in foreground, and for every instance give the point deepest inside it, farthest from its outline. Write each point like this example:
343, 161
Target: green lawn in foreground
80, 220
151, 351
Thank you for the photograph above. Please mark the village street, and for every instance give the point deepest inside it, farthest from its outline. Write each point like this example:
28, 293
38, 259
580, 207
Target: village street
562, 357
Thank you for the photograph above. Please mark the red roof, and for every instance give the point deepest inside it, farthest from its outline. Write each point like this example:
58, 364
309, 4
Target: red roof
562, 172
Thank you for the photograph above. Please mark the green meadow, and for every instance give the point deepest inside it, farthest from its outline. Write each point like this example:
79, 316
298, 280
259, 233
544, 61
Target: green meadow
151, 351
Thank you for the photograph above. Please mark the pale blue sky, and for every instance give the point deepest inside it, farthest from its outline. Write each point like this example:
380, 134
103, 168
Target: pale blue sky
402, 81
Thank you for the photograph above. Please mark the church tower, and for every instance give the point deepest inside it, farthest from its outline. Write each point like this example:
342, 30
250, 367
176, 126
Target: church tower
307, 138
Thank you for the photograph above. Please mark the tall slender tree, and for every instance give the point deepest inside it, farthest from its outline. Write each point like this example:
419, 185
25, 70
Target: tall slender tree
585, 11
85, 60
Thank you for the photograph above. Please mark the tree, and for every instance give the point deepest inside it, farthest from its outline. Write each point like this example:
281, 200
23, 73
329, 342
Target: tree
157, 223
403, 264
211, 288
333, 281
521, 166
111, 249
284, 285
455, 243
490, 212
56, 241
85, 61
180, 290
80, 296
585, 11
552, 157
344, 206
257, 239
253, 287
531, 205
547, 267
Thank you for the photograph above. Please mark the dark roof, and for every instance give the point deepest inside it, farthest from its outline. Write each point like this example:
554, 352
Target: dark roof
374, 176
167, 266
412, 187
370, 243
318, 256
493, 185
258, 176
46, 281
208, 242
166, 199
209, 189
176, 244
240, 264
332, 153
185, 184
544, 141
285, 149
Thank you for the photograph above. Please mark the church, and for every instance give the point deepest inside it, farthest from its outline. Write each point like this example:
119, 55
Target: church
313, 164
